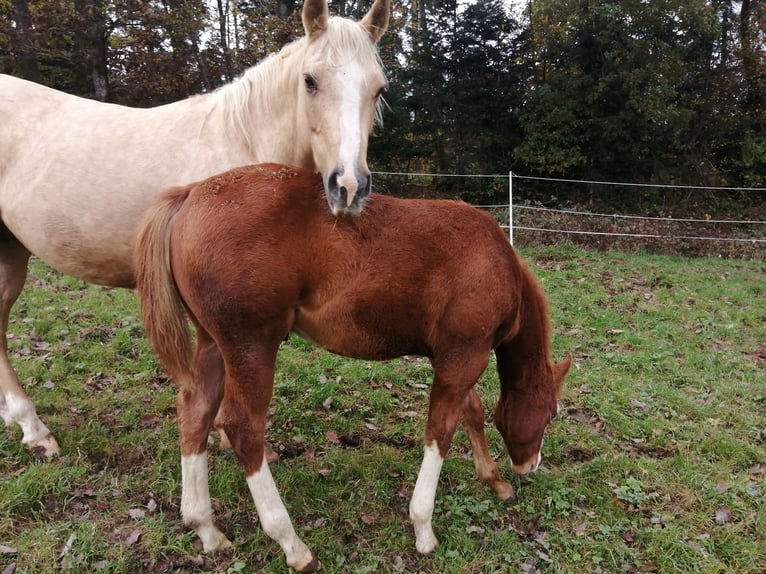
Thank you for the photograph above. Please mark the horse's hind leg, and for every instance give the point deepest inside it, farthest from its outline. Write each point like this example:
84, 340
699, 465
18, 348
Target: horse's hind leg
247, 394
486, 467
197, 405
15, 405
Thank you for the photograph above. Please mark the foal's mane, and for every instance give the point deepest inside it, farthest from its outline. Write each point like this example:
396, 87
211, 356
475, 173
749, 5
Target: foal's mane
534, 337
267, 85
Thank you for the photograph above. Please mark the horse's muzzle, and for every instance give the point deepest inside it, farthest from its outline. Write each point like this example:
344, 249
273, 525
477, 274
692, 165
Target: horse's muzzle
344, 199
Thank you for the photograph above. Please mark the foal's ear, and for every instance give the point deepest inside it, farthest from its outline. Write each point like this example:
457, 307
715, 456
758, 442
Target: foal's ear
561, 369
315, 17
376, 19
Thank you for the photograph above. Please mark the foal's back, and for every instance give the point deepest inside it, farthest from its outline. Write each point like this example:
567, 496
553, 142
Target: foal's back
401, 278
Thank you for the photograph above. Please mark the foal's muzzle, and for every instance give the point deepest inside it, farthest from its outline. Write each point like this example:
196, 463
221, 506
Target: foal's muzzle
347, 197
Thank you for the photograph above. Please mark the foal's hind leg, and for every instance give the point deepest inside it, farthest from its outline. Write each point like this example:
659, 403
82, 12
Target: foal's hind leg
248, 387
15, 405
486, 467
197, 405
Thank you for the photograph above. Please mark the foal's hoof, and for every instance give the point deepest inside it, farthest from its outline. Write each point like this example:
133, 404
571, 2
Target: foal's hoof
512, 499
504, 491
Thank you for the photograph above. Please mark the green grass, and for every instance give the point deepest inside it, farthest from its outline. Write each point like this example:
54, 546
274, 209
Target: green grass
657, 462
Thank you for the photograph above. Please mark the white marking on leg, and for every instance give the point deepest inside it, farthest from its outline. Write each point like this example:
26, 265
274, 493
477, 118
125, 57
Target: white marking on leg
275, 520
423, 497
20, 410
196, 508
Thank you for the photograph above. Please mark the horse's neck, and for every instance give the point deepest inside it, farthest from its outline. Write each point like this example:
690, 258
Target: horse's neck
259, 109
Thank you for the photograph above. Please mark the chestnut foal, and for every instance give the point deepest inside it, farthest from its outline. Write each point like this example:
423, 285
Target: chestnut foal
253, 254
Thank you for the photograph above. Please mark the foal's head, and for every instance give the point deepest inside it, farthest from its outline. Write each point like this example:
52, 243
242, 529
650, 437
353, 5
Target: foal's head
524, 411
340, 96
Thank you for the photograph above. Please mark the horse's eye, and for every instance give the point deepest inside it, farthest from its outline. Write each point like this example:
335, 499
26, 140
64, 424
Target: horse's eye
311, 83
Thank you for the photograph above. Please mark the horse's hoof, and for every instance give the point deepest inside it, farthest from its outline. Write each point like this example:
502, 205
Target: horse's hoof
504, 491
46, 446
512, 499
314, 566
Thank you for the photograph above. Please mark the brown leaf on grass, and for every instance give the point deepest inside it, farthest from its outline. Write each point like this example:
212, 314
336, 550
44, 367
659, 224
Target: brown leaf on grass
370, 518
7, 549
10, 569
332, 436
327, 404
722, 516
149, 421
132, 538
636, 404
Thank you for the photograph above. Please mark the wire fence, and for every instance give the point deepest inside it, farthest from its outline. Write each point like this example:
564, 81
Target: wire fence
530, 221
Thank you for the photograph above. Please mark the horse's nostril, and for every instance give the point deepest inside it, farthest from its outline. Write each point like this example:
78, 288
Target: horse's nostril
366, 187
341, 195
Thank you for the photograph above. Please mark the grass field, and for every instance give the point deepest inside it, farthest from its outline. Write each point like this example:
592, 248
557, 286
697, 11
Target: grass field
657, 462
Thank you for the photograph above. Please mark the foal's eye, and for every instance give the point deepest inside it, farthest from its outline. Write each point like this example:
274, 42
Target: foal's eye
311, 83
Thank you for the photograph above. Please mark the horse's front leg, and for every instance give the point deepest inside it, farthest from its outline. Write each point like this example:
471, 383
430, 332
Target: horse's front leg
486, 467
453, 380
247, 394
197, 405
15, 406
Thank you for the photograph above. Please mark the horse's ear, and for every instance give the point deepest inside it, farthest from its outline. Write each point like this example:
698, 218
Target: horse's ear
376, 19
315, 17
562, 369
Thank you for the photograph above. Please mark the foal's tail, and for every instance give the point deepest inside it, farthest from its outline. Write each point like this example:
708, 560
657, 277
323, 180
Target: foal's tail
162, 308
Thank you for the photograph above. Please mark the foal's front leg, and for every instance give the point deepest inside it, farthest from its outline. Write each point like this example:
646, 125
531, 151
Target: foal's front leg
453, 380
486, 467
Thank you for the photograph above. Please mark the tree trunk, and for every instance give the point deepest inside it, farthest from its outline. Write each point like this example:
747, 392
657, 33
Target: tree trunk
92, 43
228, 71
23, 42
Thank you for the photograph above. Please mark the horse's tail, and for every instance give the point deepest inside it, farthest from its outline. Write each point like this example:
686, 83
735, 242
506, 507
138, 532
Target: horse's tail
162, 308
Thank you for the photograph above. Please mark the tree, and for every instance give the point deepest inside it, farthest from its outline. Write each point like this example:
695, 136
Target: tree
23, 40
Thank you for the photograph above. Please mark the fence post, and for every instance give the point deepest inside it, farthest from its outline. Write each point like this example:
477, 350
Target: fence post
510, 207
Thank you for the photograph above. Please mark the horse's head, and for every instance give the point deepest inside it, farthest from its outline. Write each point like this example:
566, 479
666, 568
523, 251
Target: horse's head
340, 95
522, 416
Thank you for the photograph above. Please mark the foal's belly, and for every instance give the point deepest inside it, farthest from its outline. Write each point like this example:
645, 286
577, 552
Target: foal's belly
369, 340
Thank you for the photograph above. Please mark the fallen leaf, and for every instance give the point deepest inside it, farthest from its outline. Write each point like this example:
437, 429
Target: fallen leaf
7, 549
370, 518
148, 421
10, 569
136, 513
643, 407
722, 516
722, 486
327, 404
132, 538
332, 436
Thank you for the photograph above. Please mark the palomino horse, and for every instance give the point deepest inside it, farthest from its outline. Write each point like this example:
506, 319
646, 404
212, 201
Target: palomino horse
76, 175
253, 254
